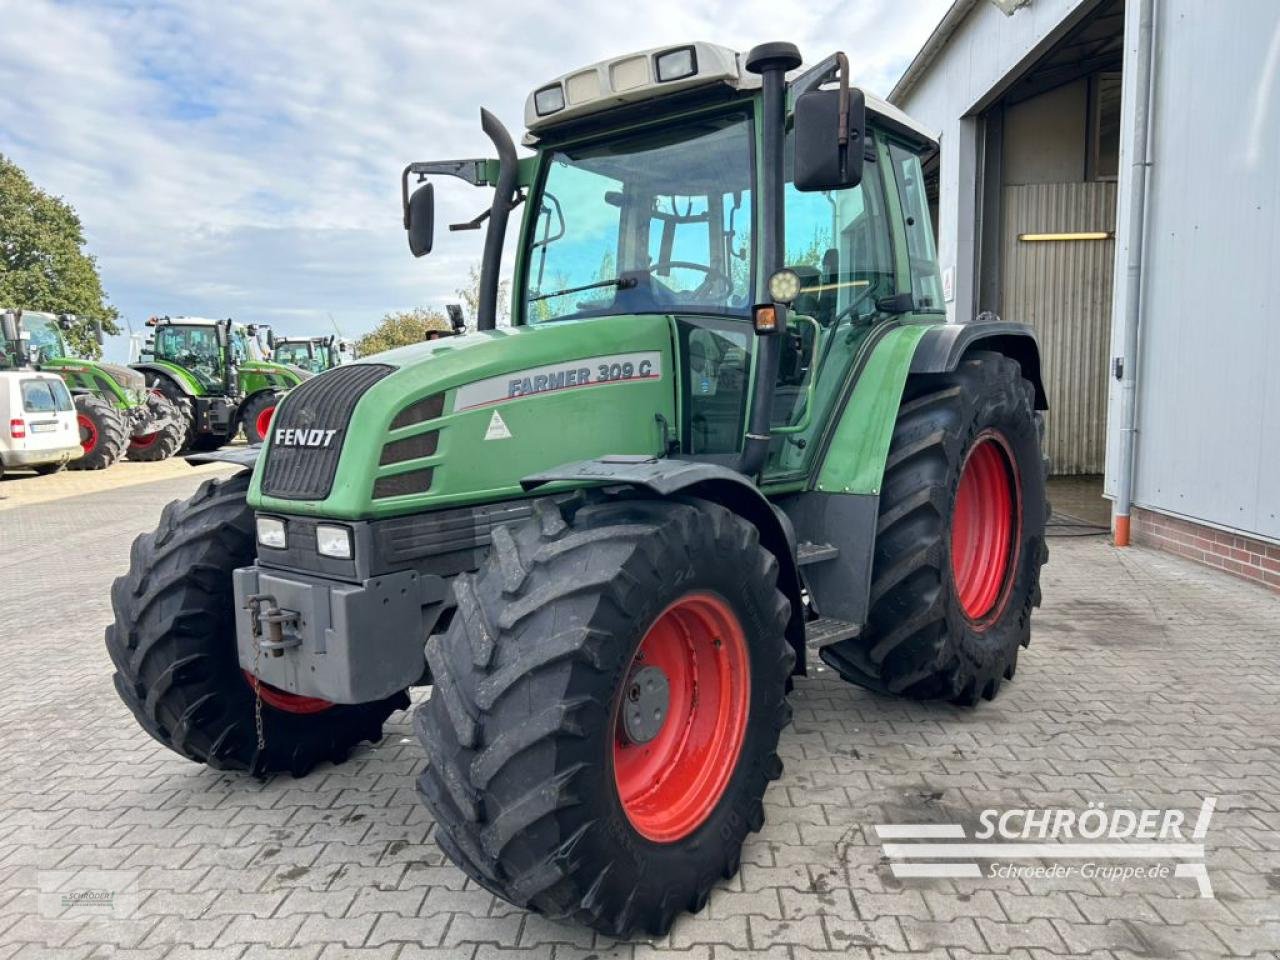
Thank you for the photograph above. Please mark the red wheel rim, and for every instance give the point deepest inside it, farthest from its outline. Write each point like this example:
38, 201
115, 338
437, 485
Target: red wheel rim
264, 421
984, 525
88, 434
669, 785
141, 443
288, 702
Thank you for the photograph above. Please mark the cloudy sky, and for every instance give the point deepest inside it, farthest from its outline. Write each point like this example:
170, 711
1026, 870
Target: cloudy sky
242, 159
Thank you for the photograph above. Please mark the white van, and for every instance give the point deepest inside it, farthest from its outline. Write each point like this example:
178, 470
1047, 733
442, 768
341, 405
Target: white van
38, 427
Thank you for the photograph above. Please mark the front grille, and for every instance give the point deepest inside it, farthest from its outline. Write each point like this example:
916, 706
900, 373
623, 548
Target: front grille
403, 484
325, 402
405, 539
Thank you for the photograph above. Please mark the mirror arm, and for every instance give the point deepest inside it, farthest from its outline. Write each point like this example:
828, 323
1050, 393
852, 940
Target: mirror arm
472, 171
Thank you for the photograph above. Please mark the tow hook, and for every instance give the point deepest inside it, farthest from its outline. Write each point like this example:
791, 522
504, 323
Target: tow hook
263, 610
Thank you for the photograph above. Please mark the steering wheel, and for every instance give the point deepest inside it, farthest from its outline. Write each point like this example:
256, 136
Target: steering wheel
706, 289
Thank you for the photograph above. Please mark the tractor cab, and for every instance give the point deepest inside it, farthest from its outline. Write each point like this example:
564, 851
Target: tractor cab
218, 373
314, 354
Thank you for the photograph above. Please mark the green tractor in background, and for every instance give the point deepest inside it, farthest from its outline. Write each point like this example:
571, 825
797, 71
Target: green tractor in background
728, 423
214, 372
315, 354
117, 414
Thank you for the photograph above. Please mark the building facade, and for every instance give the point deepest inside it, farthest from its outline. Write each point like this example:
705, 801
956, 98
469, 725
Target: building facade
1109, 172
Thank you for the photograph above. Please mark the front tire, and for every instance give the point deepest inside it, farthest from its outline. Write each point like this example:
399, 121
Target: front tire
960, 539
544, 790
173, 645
103, 437
163, 443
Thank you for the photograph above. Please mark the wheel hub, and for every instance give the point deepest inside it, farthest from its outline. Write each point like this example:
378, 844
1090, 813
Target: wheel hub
681, 717
645, 710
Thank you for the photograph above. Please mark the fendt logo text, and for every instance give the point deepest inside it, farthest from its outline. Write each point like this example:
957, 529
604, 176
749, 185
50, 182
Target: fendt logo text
304, 438
1092, 843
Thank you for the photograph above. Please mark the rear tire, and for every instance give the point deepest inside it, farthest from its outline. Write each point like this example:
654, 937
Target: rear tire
524, 721
103, 437
163, 443
173, 645
960, 539
256, 415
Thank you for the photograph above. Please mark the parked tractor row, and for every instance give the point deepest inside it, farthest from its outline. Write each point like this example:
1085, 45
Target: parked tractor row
197, 384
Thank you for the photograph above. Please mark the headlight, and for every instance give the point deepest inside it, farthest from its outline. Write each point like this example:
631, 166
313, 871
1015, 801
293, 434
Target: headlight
549, 100
333, 541
271, 533
676, 64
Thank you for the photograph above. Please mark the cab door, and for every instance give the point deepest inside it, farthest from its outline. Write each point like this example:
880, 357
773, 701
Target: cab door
841, 243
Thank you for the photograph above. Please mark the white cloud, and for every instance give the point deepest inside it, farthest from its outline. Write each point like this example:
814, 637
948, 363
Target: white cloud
243, 158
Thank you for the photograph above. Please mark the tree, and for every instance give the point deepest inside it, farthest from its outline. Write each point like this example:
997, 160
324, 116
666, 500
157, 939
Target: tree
43, 264
470, 295
401, 328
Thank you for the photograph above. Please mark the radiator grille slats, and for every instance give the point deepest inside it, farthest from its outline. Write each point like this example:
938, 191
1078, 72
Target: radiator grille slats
325, 402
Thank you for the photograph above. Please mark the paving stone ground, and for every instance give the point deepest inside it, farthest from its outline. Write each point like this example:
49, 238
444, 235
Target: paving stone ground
1150, 683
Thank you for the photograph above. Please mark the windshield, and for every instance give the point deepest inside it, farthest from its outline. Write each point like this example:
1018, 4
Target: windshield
299, 354
195, 348
45, 335
657, 221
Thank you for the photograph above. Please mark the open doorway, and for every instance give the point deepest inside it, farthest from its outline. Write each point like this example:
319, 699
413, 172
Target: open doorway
1046, 251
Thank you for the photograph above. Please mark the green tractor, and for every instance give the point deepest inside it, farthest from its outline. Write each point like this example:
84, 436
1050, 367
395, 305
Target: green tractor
214, 372
314, 354
117, 415
728, 423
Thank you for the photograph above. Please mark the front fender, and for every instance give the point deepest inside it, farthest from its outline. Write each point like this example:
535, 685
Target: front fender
181, 378
708, 481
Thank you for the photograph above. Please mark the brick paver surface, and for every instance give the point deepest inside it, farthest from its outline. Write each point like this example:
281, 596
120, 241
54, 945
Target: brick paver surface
1150, 683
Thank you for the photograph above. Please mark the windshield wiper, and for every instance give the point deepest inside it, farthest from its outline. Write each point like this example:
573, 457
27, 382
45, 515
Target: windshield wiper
621, 283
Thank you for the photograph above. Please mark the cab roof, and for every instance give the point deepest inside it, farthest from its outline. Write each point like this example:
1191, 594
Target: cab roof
660, 72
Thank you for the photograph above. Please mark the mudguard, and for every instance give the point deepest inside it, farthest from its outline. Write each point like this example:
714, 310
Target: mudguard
184, 381
246, 456
708, 481
943, 346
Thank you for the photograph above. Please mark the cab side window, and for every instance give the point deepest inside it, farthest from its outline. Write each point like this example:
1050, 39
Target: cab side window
926, 285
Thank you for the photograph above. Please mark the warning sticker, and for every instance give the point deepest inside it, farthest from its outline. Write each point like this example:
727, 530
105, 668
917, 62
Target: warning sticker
497, 428
553, 378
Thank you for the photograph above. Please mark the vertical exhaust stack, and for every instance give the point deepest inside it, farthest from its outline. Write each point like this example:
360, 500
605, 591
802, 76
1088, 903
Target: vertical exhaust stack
503, 201
771, 61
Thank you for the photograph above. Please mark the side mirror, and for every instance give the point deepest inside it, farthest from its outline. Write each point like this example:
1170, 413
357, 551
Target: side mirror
456, 319
829, 147
97, 332
271, 339
419, 219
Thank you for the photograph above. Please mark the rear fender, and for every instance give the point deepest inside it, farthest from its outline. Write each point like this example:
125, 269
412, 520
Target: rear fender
707, 481
943, 347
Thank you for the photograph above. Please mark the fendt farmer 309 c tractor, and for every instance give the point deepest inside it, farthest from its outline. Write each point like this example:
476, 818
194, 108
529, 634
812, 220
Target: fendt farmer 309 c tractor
117, 414
727, 420
212, 370
316, 354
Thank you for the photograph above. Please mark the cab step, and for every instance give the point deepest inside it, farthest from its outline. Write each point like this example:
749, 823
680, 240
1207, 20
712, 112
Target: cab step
808, 553
825, 631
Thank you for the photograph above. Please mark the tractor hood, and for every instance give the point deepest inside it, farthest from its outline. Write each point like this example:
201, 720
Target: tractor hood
462, 420
269, 369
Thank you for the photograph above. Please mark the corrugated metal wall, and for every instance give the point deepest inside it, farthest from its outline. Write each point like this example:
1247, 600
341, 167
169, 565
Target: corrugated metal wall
1062, 288
1208, 443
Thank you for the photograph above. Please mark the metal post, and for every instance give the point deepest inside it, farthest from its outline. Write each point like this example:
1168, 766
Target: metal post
1128, 361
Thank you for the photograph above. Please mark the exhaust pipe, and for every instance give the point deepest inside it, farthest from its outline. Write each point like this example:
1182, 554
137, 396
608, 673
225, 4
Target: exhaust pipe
503, 201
